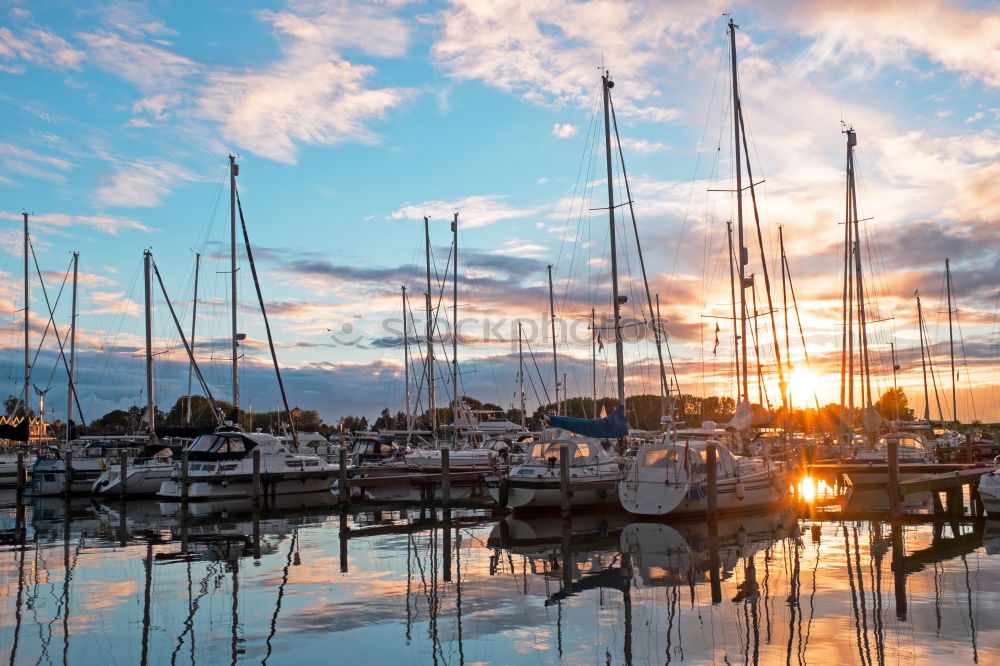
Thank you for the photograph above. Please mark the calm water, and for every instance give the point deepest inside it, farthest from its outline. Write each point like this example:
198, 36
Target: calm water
147, 585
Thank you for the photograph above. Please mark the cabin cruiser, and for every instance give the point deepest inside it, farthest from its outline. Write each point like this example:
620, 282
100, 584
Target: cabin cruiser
143, 474
464, 458
671, 476
221, 465
535, 483
89, 460
912, 451
989, 489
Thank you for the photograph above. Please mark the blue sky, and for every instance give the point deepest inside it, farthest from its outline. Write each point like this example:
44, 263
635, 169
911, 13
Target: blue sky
352, 120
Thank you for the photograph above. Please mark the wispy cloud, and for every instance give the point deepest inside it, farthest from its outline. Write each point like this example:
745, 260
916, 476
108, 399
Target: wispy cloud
108, 224
36, 47
564, 130
16, 159
474, 211
141, 183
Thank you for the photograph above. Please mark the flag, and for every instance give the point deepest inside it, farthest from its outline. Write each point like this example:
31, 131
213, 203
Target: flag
600, 343
716, 347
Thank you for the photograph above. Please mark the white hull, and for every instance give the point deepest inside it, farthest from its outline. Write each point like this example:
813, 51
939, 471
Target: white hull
469, 459
221, 488
49, 477
989, 492
142, 480
551, 498
759, 491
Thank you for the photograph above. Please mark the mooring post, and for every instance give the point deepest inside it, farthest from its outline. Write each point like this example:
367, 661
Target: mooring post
446, 546
256, 477
893, 464
955, 505
345, 492
978, 509
20, 475
446, 477
123, 471
711, 481
184, 476
564, 480
344, 532
968, 448
69, 473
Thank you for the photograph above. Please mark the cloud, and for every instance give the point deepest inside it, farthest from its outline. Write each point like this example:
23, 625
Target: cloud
16, 159
643, 146
966, 41
149, 68
36, 47
564, 130
108, 224
140, 183
474, 211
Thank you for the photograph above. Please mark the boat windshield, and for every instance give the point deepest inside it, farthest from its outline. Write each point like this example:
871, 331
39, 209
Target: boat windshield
659, 457
903, 441
547, 450
217, 444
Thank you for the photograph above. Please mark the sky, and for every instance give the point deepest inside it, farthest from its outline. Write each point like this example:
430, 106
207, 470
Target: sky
351, 121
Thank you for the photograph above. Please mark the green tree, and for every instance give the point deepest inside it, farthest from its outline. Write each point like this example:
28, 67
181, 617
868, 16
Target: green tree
894, 405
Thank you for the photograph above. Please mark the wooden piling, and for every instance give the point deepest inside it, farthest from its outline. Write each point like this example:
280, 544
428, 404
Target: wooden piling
184, 476
345, 491
953, 498
564, 480
893, 464
123, 471
968, 448
68, 489
446, 477
899, 569
20, 475
256, 477
711, 481
344, 532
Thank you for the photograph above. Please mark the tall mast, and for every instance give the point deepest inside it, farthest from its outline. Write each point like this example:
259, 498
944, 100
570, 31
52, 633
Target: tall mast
866, 397
454, 331
923, 361
895, 388
552, 314
593, 357
849, 245
27, 359
732, 294
430, 333
607, 85
234, 171
784, 306
741, 257
520, 371
406, 365
147, 257
71, 391
951, 343
194, 319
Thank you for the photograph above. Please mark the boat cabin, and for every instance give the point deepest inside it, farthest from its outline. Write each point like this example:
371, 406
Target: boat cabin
372, 450
581, 452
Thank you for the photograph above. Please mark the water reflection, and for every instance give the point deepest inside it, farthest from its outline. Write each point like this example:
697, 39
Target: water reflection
151, 582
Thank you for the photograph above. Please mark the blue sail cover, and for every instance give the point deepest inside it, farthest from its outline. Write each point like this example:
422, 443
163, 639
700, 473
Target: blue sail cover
612, 425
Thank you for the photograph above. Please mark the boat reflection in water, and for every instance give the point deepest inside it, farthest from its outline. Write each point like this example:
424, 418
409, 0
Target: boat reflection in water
153, 582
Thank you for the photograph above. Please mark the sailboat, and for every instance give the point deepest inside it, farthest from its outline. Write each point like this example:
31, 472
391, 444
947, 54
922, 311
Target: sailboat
536, 483
670, 476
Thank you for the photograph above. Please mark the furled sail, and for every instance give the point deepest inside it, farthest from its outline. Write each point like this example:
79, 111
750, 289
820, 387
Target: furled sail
613, 425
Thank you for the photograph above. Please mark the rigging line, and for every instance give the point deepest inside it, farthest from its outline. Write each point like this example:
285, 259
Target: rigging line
267, 324
642, 263
535, 364
58, 298
281, 594
55, 330
50, 322
798, 320
194, 363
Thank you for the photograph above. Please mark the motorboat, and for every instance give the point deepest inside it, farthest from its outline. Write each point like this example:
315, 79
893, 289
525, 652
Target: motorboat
221, 465
465, 459
89, 460
535, 483
671, 477
913, 455
8, 467
143, 474
989, 489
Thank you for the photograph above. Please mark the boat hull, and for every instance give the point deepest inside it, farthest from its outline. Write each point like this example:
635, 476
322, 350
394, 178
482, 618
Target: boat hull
541, 498
759, 491
217, 488
141, 480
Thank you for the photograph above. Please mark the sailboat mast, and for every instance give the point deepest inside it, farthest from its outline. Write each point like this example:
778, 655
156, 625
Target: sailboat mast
430, 333
732, 294
555, 360
520, 371
849, 249
454, 332
741, 258
607, 85
923, 361
951, 342
593, 358
895, 388
234, 171
71, 389
27, 358
866, 398
147, 258
406, 364
784, 306
194, 319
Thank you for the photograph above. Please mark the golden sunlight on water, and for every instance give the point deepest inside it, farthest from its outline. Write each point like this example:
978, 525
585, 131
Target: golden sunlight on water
93, 583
